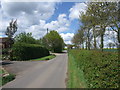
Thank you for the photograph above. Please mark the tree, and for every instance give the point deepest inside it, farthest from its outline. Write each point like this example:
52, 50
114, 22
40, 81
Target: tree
79, 38
87, 25
11, 29
111, 45
53, 41
92, 11
25, 38
115, 20
100, 15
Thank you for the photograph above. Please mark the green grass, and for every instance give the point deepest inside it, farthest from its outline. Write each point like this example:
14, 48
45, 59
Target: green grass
92, 69
75, 75
45, 58
4, 80
2, 71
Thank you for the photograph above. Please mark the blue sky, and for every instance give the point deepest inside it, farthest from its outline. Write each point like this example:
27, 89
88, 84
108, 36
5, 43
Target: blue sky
64, 8
37, 17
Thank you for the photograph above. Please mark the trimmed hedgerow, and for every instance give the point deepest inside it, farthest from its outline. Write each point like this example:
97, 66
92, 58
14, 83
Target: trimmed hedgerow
100, 69
23, 51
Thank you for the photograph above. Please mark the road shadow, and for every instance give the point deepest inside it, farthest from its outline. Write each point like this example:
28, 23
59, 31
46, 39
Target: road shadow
5, 63
64, 51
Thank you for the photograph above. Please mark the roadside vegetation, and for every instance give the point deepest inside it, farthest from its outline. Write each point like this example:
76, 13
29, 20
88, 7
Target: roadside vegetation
93, 69
24, 47
53, 42
93, 63
23, 51
5, 77
51, 56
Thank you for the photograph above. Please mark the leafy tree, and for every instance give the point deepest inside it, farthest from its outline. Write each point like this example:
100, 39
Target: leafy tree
11, 29
87, 25
53, 41
79, 38
111, 45
101, 12
115, 20
25, 38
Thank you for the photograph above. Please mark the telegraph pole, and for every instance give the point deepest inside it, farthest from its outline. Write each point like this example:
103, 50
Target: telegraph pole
47, 30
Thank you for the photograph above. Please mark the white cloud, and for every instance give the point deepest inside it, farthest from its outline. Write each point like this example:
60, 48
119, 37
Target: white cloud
40, 29
67, 37
37, 31
27, 13
76, 9
61, 24
109, 37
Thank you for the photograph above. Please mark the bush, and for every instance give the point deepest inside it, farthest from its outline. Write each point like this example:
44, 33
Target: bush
100, 69
23, 51
8, 79
5, 51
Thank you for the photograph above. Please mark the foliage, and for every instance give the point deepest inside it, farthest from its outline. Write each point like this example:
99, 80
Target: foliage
100, 69
78, 38
10, 31
5, 51
23, 51
75, 78
25, 38
53, 41
8, 78
96, 19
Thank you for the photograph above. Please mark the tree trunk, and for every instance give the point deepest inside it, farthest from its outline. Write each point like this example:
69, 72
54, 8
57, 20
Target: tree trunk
94, 35
88, 36
118, 43
102, 38
86, 45
82, 46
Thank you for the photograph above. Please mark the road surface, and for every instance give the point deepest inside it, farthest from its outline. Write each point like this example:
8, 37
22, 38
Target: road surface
48, 74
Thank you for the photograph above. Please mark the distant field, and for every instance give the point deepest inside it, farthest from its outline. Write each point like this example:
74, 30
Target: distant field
111, 50
92, 69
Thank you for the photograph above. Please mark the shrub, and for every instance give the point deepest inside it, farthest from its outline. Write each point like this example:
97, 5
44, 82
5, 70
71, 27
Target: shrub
8, 78
5, 51
23, 51
100, 69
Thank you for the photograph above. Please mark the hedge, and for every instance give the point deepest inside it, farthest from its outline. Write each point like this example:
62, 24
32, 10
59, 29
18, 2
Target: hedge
100, 69
23, 51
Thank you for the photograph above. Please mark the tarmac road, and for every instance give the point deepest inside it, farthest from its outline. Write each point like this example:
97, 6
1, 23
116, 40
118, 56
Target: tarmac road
47, 74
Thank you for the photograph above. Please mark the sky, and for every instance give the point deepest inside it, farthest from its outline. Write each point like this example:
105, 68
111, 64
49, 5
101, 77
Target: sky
36, 17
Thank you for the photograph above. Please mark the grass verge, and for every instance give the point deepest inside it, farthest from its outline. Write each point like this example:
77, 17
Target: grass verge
5, 79
93, 69
45, 58
75, 75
